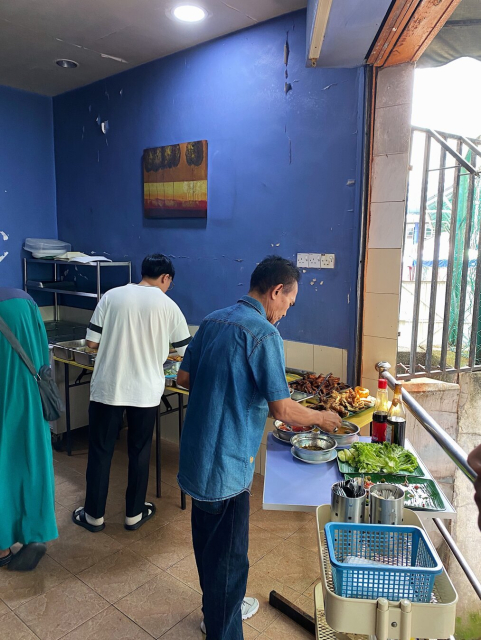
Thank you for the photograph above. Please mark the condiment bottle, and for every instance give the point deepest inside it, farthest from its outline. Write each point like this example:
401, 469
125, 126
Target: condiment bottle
379, 417
396, 418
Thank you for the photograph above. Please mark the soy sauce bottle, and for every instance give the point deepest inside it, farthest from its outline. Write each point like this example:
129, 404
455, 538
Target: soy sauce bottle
379, 417
396, 418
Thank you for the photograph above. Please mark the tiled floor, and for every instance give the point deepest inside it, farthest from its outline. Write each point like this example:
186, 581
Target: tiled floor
123, 585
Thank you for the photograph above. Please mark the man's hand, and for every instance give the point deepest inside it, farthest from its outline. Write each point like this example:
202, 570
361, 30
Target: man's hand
329, 422
474, 461
92, 345
183, 379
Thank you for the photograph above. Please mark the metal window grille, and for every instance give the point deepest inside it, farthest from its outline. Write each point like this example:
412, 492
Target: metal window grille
440, 308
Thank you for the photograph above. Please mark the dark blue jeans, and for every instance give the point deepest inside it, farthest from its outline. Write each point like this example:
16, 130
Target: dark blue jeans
220, 532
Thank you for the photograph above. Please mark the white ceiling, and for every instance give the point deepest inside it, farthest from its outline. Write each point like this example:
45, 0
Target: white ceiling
34, 33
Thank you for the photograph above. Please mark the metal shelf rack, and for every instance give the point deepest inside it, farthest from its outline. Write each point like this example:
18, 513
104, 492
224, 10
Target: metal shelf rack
98, 266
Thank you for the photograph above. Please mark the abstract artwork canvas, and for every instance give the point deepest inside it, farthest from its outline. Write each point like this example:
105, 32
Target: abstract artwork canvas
175, 181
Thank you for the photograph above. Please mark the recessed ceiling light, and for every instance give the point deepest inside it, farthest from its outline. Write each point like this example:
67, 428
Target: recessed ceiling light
189, 13
67, 64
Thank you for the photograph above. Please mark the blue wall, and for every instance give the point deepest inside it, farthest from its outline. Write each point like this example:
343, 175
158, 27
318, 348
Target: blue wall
27, 177
284, 171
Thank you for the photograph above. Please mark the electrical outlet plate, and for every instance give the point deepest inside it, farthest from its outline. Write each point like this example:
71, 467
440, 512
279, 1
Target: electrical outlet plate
314, 260
327, 260
303, 260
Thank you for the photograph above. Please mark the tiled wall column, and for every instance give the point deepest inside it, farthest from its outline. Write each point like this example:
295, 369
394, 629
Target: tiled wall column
392, 126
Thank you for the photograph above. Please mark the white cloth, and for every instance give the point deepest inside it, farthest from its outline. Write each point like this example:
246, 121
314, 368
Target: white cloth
134, 325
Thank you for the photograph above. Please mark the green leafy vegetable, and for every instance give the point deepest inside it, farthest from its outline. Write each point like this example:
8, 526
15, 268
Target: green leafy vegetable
379, 458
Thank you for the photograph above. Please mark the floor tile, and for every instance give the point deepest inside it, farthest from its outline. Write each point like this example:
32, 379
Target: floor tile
284, 628
186, 571
295, 567
259, 585
118, 575
261, 542
61, 609
160, 604
309, 592
71, 493
187, 629
64, 473
12, 628
109, 624
166, 546
282, 523
76, 548
306, 604
17, 587
305, 537
3, 608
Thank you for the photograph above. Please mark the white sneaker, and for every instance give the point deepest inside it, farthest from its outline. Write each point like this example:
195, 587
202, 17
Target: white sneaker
250, 606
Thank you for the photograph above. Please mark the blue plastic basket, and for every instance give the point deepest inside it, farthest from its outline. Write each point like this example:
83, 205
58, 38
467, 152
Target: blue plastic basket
381, 561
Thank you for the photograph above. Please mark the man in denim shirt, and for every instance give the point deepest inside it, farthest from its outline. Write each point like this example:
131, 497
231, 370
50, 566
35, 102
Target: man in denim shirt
235, 370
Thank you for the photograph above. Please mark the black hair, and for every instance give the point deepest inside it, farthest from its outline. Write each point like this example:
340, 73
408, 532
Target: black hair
272, 271
157, 265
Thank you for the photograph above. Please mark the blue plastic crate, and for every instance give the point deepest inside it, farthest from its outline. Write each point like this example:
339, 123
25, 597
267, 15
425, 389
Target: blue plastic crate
381, 561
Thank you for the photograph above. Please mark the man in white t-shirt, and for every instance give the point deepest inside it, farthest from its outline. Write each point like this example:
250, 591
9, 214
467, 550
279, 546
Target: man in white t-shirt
132, 327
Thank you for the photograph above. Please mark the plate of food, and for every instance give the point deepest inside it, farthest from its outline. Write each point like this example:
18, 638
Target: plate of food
420, 494
345, 403
284, 432
371, 457
321, 385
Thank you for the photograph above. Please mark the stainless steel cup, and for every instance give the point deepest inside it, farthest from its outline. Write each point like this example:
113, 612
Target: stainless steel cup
344, 509
386, 504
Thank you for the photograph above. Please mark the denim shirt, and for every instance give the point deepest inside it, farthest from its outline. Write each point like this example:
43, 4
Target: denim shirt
236, 366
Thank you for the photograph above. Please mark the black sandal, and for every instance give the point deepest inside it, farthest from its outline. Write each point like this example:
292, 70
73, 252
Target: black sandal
149, 506
82, 521
6, 559
28, 557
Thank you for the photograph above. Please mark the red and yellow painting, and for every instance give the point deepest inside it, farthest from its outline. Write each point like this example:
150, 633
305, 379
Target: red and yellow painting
175, 181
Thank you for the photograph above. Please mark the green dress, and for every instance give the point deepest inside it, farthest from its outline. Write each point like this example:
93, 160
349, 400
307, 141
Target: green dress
27, 500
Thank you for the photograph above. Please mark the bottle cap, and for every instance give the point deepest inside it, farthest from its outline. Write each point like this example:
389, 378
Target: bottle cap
382, 384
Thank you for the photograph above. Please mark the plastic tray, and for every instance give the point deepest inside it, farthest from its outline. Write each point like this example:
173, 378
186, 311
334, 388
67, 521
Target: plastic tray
435, 619
426, 498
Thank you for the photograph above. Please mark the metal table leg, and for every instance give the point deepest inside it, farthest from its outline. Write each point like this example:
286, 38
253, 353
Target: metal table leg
157, 452
67, 408
181, 422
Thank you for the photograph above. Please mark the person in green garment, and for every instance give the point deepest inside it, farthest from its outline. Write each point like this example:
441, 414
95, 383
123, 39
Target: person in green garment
27, 512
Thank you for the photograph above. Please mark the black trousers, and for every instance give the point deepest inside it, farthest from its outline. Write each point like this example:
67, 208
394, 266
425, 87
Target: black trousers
105, 422
220, 533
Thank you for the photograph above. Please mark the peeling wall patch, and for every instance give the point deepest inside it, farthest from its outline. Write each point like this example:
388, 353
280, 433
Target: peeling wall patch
5, 254
349, 183
4, 235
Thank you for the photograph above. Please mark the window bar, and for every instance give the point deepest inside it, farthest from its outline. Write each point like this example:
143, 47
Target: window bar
474, 148
464, 274
464, 163
477, 290
449, 276
419, 260
435, 268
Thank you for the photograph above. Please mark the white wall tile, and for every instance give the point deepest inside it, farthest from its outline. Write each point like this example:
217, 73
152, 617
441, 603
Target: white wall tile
386, 225
193, 329
389, 178
395, 85
47, 313
392, 129
299, 355
377, 350
328, 360
344, 365
371, 384
381, 315
383, 271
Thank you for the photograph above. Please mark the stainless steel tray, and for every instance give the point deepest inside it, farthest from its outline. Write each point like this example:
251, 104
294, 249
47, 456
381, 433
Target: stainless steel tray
65, 350
81, 356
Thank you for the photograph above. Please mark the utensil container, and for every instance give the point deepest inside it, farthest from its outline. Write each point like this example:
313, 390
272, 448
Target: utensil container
386, 504
344, 509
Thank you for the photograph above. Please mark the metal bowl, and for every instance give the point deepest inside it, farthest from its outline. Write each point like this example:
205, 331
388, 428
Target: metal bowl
287, 435
326, 443
345, 438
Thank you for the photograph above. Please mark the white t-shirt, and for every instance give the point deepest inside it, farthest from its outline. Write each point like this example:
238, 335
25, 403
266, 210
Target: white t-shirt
134, 325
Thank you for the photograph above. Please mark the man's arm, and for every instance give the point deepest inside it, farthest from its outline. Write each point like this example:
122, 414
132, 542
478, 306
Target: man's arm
92, 345
474, 460
294, 413
183, 379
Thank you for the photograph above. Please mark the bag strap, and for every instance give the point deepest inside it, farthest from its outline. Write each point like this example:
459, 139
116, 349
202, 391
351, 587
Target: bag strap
16, 346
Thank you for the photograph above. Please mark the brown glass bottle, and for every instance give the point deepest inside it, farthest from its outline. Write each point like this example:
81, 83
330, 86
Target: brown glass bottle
396, 418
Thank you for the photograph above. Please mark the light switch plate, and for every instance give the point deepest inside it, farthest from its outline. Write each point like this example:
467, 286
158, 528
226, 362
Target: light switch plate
327, 260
